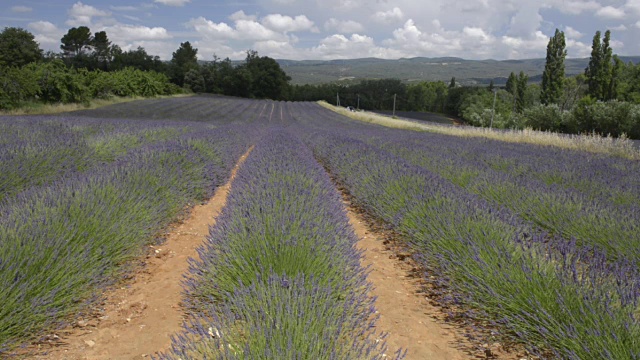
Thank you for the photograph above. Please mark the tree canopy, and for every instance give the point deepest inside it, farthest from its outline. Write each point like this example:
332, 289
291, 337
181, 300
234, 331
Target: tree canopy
76, 41
553, 75
18, 47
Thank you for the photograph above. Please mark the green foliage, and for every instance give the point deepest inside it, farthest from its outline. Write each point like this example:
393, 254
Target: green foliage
184, 59
599, 72
269, 80
427, 96
553, 75
511, 83
16, 86
608, 118
194, 81
76, 41
477, 110
521, 89
53, 82
546, 118
138, 59
18, 48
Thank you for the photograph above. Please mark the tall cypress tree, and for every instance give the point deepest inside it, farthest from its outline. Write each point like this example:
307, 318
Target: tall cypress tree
511, 83
553, 75
593, 72
607, 67
521, 89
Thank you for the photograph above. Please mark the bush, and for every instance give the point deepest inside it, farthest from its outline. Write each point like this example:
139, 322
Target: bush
548, 118
608, 118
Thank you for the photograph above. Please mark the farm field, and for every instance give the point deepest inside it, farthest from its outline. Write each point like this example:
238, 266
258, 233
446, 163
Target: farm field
538, 247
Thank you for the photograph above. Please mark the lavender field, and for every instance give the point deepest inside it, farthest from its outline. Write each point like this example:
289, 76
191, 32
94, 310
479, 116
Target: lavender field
541, 244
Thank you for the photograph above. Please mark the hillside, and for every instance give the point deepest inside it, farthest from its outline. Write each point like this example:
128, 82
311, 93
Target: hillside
468, 72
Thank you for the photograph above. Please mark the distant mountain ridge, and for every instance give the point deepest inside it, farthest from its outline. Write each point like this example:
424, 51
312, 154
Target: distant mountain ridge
467, 72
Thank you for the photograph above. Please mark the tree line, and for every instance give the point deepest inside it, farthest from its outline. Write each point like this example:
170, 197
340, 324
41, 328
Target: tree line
604, 99
90, 66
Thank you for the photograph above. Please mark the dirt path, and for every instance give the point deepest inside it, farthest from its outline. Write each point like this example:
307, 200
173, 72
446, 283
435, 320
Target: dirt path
139, 319
404, 314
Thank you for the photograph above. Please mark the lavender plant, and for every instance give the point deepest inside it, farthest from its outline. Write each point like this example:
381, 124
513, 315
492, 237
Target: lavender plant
61, 243
279, 276
571, 302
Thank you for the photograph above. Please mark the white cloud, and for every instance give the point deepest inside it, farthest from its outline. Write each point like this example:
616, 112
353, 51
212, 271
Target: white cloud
240, 15
610, 12
46, 34
391, 16
82, 15
132, 18
172, 2
572, 33
247, 30
578, 49
348, 26
285, 24
127, 33
21, 9
620, 27
212, 30
633, 5
637, 25
43, 27
123, 8
356, 46
574, 7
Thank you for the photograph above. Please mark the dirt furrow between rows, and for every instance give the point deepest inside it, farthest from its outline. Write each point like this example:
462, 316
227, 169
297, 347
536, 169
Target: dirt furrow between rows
138, 319
405, 315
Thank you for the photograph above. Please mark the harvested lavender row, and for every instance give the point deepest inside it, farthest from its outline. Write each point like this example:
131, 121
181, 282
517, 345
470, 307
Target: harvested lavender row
221, 109
61, 243
279, 277
493, 261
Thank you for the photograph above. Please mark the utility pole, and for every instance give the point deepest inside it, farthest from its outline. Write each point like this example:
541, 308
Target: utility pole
493, 112
394, 104
338, 99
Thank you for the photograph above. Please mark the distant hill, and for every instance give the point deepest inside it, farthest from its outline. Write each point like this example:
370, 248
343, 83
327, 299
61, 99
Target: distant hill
467, 72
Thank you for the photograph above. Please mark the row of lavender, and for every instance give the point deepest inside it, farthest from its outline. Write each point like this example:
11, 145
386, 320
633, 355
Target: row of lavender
204, 108
554, 296
600, 210
590, 198
279, 277
81, 197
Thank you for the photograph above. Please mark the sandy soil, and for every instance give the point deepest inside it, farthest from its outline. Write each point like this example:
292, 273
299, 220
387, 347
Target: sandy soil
404, 314
139, 318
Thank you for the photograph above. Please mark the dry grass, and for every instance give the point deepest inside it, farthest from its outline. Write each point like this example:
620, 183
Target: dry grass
595, 143
46, 109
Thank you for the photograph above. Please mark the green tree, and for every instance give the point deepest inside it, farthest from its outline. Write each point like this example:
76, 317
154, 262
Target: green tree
76, 41
452, 83
598, 72
269, 80
553, 75
511, 83
184, 59
617, 72
521, 90
18, 47
194, 81
102, 50
607, 58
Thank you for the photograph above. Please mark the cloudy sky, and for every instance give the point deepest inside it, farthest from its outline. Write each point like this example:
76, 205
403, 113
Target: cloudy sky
336, 29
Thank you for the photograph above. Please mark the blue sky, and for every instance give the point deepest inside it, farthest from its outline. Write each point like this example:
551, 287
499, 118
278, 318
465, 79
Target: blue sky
336, 29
